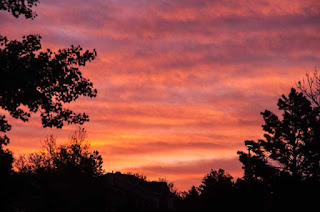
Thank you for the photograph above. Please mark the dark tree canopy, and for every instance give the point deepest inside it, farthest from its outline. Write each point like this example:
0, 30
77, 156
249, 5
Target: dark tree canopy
192, 194
65, 177
42, 81
19, 7
215, 181
214, 194
6, 158
216, 190
291, 144
73, 158
258, 167
33, 81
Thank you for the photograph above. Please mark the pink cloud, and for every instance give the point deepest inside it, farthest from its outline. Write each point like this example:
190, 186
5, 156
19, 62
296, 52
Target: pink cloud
175, 79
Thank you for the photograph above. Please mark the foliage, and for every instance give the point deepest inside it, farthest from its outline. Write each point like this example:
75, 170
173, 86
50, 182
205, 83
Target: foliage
73, 158
215, 192
6, 158
257, 167
191, 199
215, 181
137, 175
34, 80
193, 193
290, 145
42, 81
61, 177
172, 188
19, 7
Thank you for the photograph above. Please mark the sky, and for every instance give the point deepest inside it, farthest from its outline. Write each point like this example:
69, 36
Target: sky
181, 83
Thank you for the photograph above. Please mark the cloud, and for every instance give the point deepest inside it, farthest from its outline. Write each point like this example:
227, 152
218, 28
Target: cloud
186, 174
161, 147
176, 80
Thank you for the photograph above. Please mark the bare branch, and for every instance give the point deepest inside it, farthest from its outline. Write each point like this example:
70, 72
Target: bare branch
310, 87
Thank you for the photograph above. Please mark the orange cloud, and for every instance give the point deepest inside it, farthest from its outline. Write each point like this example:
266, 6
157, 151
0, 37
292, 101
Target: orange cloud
180, 83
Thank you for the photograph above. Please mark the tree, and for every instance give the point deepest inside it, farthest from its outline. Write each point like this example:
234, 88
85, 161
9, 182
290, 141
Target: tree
61, 177
192, 194
19, 7
290, 145
73, 158
214, 181
256, 166
172, 188
6, 159
310, 87
34, 81
40, 81
216, 190
191, 200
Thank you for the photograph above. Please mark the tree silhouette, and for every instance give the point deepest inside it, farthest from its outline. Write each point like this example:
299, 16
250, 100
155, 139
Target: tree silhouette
61, 177
310, 87
72, 158
291, 145
192, 194
256, 167
252, 195
191, 201
19, 7
285, 164
216, 190
215, 179
42, 81
33, 81
6, 158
